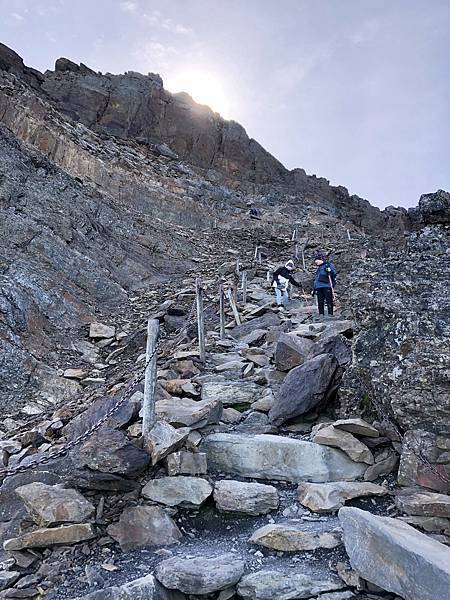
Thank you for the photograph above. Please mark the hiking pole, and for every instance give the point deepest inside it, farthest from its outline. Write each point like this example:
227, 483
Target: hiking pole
332, 291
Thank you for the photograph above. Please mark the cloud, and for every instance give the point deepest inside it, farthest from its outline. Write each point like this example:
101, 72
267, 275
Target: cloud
366, 33
154, 55
17, 16
156, 19
128, 6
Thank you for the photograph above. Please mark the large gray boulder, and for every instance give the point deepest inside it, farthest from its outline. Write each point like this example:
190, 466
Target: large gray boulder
294, 537
395, 556
141, 526
291, 351
200, 575
271, 585
304, 388
231, 392
53, 504
241, 497
275, 457
435, 208
184, 412
189, 492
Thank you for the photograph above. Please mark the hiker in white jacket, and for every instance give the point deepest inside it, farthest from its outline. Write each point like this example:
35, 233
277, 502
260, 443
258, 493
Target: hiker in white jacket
280, 281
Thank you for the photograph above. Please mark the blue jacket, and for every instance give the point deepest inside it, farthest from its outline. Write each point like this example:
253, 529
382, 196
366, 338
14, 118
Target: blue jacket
321, 279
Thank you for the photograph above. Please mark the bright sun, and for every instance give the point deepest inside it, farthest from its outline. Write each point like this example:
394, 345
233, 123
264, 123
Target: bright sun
203, 87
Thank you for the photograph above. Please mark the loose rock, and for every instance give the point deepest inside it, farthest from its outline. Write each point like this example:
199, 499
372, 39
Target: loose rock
327, 497
178, 491
248, 498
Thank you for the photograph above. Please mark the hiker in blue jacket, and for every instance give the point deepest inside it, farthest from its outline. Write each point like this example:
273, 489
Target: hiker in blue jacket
324, 283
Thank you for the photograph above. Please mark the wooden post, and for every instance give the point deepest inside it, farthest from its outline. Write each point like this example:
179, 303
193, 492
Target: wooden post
149, 416
348, 235
200, 319
221, 312
303, 259
233, 307
237, 266
244, 287
255, 256
259, 256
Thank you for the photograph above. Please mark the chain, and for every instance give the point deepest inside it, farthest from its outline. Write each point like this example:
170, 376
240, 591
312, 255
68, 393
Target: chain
84, 436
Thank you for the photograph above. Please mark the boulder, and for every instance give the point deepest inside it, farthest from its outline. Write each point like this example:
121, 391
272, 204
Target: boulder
423, 503
271, 585
186, 463
267, 320
327, 497
8, 578
255, 337
200, 575
53, 504
110, 451
394, 556
294, 537
163, 439
141, 526
256, 422
381, 468
291, 351
338, 346
101, 331
189, 492
304, 388
144, 588
230, 393
434, 449
357, 427
54, 536
337, 438
190, 413
248, 498
127, 412
278, 458
435, 208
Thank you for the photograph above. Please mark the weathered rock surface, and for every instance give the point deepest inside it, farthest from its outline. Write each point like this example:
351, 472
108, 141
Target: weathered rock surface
413, 470
200, 575
178, 491
424, 503
338, 346
142, 526
278, 458
435, 208
396, 557
187, 463
294, 537
291, 351
230, 393
191, 413
144, 588
53, 504
110, 451
304, 388
100, 330
271, 585
357, 427
248, 498
327, 497
337, 438
164, 439
42, 538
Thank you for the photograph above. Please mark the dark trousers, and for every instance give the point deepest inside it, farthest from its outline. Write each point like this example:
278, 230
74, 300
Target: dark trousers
324, 295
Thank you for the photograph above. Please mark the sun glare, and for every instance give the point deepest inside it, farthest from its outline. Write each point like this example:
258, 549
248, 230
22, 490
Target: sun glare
204, 89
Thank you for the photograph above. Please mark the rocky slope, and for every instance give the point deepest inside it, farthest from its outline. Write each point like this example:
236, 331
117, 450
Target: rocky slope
115, 197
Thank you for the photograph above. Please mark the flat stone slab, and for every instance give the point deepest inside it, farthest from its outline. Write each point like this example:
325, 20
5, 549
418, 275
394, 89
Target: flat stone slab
53, 504
189, 492
189, 413
42, 538
270, 585
231, 392
276, 457
248, 498
200, 575
395, 556
357, 427
424, 504
144, 588
294, 537
327, 497
337, 438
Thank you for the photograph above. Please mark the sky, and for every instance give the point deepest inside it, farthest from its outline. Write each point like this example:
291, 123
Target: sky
357, 91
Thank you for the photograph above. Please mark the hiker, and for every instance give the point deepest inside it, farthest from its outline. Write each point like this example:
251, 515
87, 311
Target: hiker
280, 280
324, 283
